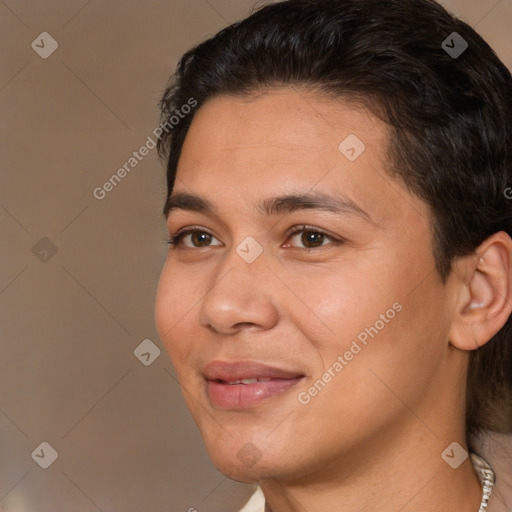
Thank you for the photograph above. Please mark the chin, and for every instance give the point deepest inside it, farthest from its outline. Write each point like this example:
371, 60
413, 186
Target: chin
240, 457
247, 461
235, 466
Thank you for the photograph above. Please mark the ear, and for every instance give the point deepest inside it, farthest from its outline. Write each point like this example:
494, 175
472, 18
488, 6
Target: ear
484, 301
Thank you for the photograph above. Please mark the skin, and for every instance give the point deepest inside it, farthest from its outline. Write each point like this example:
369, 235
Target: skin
399, 402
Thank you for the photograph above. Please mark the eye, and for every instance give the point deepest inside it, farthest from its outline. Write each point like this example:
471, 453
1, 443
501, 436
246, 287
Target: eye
311, 237
197, 237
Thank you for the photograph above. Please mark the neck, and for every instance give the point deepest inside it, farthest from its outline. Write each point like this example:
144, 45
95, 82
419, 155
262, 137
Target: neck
403, 470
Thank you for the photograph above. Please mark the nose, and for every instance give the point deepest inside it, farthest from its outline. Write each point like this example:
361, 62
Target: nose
240, 296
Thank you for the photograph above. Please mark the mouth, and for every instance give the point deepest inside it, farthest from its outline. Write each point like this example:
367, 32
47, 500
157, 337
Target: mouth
244, 384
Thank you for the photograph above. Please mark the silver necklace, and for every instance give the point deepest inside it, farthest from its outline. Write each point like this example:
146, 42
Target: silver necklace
486, 476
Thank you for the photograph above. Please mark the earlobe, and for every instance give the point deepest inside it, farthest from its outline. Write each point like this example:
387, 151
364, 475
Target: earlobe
485, 293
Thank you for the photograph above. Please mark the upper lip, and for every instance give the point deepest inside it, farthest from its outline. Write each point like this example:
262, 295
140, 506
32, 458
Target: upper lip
237, 370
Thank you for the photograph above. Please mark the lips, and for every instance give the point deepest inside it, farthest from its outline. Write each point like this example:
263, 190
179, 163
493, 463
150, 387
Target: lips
243, 384
250, 380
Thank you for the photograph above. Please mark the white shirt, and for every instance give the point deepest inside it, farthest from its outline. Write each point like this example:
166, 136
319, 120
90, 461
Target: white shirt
256, 503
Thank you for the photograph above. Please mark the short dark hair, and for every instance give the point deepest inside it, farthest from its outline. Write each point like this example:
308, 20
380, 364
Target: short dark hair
450, 119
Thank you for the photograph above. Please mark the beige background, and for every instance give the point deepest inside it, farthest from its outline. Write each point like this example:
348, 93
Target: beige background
70, 321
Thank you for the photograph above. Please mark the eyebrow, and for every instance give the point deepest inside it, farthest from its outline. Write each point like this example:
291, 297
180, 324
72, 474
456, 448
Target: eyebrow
274, 205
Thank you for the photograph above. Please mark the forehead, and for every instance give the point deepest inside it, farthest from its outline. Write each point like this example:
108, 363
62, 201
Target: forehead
283, 124
238, 150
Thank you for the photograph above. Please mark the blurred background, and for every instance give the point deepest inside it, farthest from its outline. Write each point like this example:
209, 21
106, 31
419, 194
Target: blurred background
91, 415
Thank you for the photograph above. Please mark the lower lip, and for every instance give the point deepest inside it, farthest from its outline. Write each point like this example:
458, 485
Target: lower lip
241, 396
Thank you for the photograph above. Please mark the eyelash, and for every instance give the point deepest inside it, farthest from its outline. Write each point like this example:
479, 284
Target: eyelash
175, 240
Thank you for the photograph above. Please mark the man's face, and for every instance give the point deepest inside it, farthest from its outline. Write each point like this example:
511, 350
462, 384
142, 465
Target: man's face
344, 321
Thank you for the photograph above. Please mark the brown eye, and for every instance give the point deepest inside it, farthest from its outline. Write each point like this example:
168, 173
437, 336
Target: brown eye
308, 238
200, 238
312, 239
192, 238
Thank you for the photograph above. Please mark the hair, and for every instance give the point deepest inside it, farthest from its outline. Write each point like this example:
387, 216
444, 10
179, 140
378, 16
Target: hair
449, 118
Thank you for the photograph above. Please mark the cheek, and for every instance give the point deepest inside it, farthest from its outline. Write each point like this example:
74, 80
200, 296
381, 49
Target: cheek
391, 308
334, 305
402, 350
174, 305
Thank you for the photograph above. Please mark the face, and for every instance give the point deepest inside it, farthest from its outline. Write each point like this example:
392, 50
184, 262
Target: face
301, 297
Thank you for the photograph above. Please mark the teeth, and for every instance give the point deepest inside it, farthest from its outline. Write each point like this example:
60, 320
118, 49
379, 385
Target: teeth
250, 381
